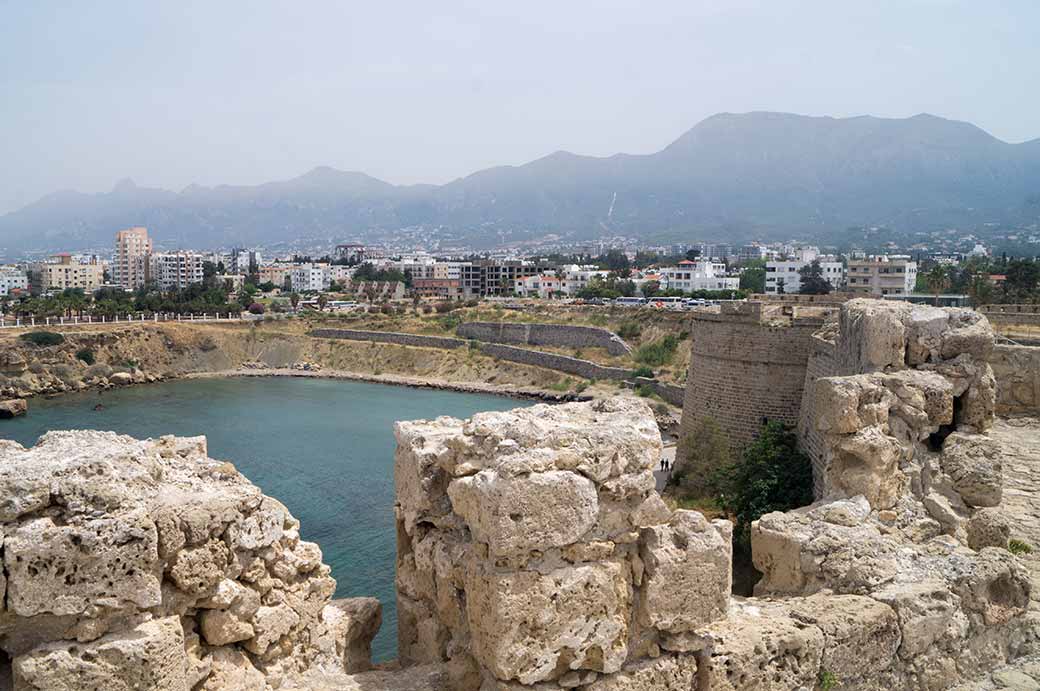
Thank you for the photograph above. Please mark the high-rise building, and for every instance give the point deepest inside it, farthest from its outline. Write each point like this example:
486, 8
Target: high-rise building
175, 270
130, 263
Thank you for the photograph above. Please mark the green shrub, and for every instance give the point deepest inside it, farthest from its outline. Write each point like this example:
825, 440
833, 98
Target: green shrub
449, 322
828, 680
644, 390
445, 307
1016, 546
657, 353
86, 356
43, 338
643, 371
771, 475
707, 448
630, 330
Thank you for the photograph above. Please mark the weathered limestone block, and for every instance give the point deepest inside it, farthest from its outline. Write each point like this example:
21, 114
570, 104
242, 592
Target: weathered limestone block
968, 333
353, 622
666, 673
925, 611
69, 569
200, 569
121, 378
993, 586
231, 670
221, 626
270, 624
925, 328
531, 627
867, 463
760, 652
972, 462
514, 515
861, 635
988, 528
687, 572
799, 555
14, 407
151, 656
873, 335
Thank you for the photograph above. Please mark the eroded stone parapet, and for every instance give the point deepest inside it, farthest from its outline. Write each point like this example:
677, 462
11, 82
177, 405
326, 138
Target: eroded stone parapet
687, 573
767, 650
110, 537
530, 627
150, 656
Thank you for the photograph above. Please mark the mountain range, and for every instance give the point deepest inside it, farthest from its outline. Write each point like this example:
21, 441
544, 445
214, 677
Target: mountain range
730, 177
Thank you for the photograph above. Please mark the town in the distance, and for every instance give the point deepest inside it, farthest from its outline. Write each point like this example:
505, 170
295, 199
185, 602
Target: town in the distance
137, 279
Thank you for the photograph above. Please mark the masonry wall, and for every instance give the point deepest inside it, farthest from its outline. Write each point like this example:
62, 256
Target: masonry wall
1017, 371
558, 335
745, 370
537, 358
821, 364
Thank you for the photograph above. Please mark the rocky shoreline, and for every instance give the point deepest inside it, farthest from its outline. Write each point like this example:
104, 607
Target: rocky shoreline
395, 380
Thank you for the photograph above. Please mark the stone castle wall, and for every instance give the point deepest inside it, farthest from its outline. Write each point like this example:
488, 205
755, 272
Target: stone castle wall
559, 335
821, 364
524, 356
747, 366
1017, 370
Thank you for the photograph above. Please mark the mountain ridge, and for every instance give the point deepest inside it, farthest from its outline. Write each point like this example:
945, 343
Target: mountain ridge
729, 176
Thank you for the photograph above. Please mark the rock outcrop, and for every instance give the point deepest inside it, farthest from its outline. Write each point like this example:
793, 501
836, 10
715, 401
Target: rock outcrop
146, 565
14, 407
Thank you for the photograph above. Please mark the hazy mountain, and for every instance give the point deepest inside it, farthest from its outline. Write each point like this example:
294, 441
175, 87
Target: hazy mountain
731, 176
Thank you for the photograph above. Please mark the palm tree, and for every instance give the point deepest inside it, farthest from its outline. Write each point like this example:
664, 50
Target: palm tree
937, 278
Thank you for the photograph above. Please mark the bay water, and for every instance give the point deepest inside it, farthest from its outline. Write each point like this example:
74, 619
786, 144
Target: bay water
324, 448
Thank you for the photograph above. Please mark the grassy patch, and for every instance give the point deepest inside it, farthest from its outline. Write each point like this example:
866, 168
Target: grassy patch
659, 352
43, 338
1016, 546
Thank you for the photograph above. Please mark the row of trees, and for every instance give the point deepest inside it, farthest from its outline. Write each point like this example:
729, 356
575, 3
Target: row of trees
974, 278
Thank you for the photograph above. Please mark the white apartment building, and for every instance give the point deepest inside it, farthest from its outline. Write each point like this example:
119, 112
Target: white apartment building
783, 275
13, 278
573, 278
243, 261
540, 285
175, 270
689, 276
308, 277
882, 275
130, 262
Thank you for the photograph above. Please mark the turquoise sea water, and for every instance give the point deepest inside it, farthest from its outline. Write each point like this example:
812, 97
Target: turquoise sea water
323, 448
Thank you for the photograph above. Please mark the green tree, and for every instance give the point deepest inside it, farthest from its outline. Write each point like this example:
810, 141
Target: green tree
1022, 278
707, 450
323, 300
753, 277
812, 279
294, 300
937, 279
771, 475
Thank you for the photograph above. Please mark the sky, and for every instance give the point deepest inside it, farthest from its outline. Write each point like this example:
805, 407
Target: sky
172, 93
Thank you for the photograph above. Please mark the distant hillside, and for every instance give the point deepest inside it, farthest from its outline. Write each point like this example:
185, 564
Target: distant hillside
730, 177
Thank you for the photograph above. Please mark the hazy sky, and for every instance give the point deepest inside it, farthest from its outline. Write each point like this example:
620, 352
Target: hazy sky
171, 93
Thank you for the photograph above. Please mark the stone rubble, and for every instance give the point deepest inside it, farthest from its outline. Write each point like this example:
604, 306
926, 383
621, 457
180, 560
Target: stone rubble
147, 565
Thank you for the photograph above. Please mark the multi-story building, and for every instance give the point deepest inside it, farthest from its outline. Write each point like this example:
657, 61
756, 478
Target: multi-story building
784, 275
130, 263
441, 288
491, 277
244, 262
574, 277
541, 285
13, 280
61, 273
310, 277
175, 270
275, 273
354, 254
689, 276
882, 275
